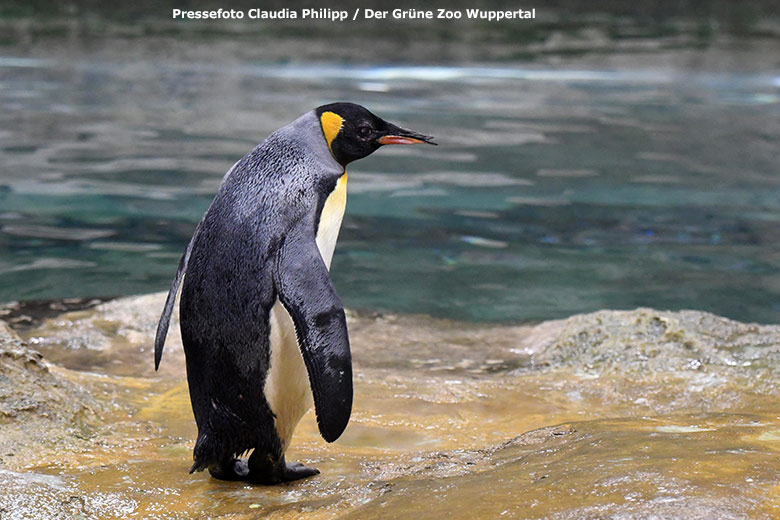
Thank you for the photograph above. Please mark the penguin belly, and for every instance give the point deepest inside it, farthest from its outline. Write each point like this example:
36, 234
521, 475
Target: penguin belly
287, 387
287, 384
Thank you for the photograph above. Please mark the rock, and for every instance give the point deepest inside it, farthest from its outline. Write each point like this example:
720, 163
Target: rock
630, 468
29, 389
115, 337
41, 409
645, 340
613, 414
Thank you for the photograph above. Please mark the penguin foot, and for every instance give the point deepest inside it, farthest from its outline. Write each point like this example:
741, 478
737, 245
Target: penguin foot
261, 470
296, 470
235, 469
264, 470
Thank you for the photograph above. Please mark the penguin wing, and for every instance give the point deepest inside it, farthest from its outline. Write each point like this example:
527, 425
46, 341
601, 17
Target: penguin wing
305, 290
165, 318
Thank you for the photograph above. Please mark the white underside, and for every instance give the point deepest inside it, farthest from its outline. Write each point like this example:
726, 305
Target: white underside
287, 387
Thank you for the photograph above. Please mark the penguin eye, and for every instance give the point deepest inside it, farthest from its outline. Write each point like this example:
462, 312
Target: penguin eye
364, 131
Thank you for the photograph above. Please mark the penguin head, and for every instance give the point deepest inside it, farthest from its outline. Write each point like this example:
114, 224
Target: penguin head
352, 132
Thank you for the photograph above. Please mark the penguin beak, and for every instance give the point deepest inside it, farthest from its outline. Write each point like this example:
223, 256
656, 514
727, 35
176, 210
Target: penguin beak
397, 135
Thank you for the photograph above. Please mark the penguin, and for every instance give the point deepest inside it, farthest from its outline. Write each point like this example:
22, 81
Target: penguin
264, 331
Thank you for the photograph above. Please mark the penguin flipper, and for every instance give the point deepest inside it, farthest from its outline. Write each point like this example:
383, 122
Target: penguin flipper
305, 290
165, 318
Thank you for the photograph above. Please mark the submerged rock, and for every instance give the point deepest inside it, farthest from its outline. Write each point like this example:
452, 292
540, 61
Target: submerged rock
614, 414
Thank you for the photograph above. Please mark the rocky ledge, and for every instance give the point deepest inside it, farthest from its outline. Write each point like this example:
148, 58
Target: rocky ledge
614, 414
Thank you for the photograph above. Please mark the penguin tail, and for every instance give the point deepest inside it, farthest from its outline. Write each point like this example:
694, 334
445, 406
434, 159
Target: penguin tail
197, 466
209, 452
202, 455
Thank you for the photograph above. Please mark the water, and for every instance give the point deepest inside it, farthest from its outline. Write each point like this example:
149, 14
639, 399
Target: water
555, 189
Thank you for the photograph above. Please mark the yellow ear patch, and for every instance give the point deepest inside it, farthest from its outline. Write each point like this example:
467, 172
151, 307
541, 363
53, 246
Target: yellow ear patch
331, 125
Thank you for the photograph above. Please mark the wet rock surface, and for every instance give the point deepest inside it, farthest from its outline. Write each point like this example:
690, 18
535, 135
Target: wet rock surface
615, 414
613, 468
39, 403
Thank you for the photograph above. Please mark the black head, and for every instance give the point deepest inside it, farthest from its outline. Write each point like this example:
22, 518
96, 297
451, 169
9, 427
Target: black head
352, 132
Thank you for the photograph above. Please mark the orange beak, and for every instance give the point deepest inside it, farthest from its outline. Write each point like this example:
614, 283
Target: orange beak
398, 139
397, 135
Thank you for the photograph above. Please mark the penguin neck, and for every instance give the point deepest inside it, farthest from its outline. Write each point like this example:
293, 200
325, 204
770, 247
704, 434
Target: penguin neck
306, 133
330, 220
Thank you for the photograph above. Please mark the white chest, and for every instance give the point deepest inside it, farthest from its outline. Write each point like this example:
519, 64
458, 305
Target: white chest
330, 220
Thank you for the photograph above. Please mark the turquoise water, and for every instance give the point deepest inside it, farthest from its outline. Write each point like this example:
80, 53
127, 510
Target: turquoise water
553, 191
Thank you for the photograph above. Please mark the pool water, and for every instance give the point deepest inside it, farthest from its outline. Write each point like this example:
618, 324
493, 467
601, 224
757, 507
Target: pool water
553, 191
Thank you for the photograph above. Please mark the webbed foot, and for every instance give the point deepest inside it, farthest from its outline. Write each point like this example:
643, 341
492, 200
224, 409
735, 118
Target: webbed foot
296, 470
264, 470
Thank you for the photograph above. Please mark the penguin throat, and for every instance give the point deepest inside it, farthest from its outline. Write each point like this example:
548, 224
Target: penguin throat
331, 126
330, 220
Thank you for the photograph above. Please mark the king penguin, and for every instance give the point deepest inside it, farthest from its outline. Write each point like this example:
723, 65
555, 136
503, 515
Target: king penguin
263, 329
